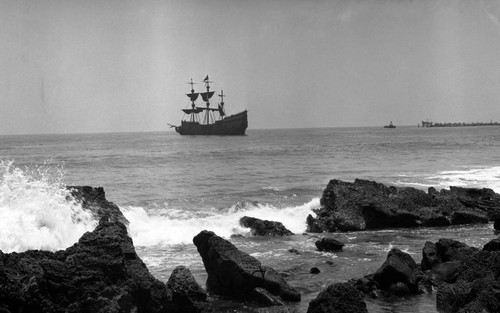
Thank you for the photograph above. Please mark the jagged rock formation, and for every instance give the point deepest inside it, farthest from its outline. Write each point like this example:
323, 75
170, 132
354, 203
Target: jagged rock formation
93, 199
367, 204
100, 273
263, 227
236, 274
476, 287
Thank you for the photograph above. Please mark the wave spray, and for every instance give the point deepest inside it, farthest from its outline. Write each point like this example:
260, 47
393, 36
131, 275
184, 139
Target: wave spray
37, 211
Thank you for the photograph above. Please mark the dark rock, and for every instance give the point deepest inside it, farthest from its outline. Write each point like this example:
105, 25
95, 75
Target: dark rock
294, 251
430, 256
100, 273
329, 244
443, 259
452, 297
445, 272
186, 292
484, 199
477, 286
264, 228
399, 267
236, 274
452, 250
460, 217
366, 204
399, 289
496, 225
314, 270
339, 297
493, 245
312, 225
365, 284
93, 199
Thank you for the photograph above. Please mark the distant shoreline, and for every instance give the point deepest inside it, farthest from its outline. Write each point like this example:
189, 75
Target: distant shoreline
463, 124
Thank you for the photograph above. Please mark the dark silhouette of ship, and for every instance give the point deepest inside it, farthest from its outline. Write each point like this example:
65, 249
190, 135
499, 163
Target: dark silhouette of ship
210, 121
390, 125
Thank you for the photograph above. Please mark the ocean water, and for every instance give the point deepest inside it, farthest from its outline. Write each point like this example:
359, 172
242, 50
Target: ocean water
171, 187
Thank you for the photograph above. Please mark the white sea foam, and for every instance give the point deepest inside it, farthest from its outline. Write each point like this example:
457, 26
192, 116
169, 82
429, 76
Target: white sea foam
37, 211
472, 177
166, 229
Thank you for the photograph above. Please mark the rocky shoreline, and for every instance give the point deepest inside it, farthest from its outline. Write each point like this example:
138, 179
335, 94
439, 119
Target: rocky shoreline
103, 273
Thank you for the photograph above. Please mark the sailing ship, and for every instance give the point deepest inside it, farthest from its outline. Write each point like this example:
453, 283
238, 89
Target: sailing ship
199, 120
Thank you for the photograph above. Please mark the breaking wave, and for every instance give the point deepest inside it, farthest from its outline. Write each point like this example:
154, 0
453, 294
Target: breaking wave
37, 211
174, 226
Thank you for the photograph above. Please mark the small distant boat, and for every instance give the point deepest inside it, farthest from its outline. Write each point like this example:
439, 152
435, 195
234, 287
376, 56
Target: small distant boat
213, 121
390, 125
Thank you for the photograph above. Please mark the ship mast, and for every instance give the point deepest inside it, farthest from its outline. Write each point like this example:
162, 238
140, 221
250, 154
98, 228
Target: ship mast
207, 85
193, 97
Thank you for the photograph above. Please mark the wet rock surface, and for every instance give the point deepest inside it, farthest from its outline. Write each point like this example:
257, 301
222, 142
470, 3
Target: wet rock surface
100, 273
236, 274
93, 199
329, 244
364, 204
264, 228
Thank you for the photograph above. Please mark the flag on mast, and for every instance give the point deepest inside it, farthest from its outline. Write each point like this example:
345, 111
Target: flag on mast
206, 79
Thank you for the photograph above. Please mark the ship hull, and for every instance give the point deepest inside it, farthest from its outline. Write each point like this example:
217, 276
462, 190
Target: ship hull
234, 125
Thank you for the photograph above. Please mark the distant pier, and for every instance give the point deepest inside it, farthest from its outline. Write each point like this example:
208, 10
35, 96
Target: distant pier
463, 124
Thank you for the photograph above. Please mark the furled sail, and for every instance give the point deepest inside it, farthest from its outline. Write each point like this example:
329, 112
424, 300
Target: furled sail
193, 96
207, 95
209, 109
189, 111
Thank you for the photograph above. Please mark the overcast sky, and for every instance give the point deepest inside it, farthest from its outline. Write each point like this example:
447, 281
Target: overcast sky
69, 66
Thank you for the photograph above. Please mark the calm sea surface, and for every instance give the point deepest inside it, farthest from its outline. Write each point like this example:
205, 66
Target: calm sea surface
171, 187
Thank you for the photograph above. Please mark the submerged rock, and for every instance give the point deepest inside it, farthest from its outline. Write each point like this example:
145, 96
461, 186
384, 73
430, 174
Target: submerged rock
329, 244
236, 274
367, 204
339, 297
263, 227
